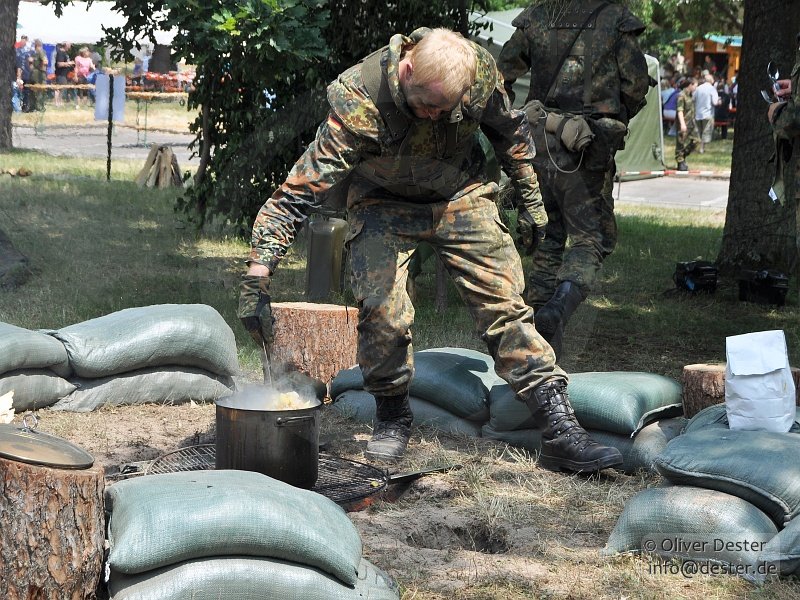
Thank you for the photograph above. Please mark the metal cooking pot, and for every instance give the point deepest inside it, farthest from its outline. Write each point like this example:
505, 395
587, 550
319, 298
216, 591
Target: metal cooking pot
283, 444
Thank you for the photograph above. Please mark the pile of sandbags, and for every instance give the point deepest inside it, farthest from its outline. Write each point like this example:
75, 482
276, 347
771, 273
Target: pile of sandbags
735, 492
456, 390
169, 354
34, 366
228, 535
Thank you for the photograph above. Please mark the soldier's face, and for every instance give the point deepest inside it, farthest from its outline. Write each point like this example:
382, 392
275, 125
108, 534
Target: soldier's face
428, 102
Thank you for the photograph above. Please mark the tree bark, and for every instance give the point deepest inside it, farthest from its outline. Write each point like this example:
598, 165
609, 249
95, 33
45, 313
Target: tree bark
758, 233
52, 536
704, 386
9, 10
318, 340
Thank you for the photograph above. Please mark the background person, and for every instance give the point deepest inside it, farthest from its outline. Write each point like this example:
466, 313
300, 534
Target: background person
38, 74
687, 139
600, 74
706, 99
403, 125
84, 65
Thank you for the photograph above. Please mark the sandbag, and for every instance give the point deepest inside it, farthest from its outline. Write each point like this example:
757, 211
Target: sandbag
188, 335
166, 385
782, 552
455, 379
681, 515
360, 406
159, 520
617, 402
717, 416
758, 466
34, 388
638, 453
22, 349
246, 577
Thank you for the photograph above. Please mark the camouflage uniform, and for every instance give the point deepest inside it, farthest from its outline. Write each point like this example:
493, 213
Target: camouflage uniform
686, 143
786, 128
576, 191
412, 188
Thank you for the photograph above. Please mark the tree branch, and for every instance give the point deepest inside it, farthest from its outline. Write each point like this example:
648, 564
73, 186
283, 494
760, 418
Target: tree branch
731, 16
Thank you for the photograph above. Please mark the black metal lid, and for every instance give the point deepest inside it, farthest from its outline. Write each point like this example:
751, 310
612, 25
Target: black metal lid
29, 446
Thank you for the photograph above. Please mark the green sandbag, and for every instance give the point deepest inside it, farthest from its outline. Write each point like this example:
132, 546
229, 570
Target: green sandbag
248, 578
617, 402
167, 385
716, 416
25, 349
682, 515
783, 551
360, 406
637, 453
455, 379
159, 520
34, 389
187, 335
760, 467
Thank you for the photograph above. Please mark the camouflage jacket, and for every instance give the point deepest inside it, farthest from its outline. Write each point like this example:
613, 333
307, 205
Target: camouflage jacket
786, 131
686, 106
619, 76
417, 167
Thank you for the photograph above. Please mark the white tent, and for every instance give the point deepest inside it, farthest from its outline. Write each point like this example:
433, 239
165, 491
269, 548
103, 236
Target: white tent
644, 146
78, 24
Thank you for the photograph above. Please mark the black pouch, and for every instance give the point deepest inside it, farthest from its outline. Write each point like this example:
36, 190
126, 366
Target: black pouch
609, 136
696, 276
763, 287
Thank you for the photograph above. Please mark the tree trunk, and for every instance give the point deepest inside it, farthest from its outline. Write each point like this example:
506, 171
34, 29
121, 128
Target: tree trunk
51, 540
704, 386
760, 234
9, 10
318, 340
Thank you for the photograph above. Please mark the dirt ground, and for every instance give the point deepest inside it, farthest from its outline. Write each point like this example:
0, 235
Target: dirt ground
497, 527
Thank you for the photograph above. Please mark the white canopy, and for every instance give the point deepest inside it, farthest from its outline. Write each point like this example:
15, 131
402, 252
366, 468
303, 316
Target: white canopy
79, 23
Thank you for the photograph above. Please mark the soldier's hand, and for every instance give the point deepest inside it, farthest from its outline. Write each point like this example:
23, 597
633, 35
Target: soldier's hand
529, 232
255, 311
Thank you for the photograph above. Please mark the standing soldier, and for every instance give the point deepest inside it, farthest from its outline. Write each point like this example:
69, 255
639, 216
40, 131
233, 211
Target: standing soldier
687, 139
403, 127
589, 78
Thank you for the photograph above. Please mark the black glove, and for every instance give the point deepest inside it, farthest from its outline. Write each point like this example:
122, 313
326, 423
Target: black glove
530, 234
255, 311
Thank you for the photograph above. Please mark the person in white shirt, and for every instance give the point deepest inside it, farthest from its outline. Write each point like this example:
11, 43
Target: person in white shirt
705, 99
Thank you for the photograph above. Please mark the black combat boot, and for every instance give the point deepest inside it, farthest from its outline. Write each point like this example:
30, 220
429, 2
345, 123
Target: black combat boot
552, 318
391, 430
565, 444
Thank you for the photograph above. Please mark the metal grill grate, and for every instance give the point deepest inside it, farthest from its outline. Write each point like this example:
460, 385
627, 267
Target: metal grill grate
340, 479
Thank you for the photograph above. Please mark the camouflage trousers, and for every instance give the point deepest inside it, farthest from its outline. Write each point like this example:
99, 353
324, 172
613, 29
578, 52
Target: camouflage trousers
468, 237
685, 144
580, 210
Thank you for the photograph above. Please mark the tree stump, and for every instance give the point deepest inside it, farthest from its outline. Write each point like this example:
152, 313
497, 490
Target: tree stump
704, 385
52, 534
318, 340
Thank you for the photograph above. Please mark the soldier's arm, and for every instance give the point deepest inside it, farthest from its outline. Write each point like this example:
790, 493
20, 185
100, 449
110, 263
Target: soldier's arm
634, 77
327, 161
509, 133
514, 61
787, 122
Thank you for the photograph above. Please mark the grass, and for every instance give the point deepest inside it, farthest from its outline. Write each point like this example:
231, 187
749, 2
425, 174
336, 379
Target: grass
717, 155
96, 247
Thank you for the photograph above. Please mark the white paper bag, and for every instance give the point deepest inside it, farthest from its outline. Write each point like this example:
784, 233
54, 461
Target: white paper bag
759, 390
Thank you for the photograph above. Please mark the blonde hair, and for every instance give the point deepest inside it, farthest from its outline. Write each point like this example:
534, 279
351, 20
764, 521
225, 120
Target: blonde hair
445, 57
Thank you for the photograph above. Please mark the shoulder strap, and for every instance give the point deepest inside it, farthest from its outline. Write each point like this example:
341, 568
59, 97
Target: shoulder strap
568, 49
378, 89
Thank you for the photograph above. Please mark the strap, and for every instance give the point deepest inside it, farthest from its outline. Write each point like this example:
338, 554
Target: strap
565, 54
588, 39
378, 88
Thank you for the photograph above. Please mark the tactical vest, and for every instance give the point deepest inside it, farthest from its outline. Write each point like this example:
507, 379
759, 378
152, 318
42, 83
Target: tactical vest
417, 159
587, 80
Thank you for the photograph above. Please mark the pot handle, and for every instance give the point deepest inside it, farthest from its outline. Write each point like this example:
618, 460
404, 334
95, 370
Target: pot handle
285, 421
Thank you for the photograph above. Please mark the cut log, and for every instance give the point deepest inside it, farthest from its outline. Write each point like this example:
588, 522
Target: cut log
318, 340
704, 385
51, 540
142, 177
